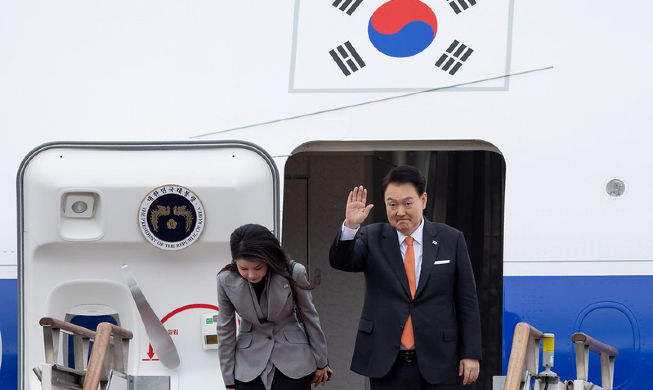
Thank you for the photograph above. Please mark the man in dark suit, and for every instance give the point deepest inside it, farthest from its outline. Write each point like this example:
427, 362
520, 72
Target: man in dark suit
420, 325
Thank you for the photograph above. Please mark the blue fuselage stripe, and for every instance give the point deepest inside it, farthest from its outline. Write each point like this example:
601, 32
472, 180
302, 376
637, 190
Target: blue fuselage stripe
616, 310
9, 330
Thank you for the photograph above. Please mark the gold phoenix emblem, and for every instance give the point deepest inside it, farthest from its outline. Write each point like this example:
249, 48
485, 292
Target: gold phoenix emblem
171, 224
171, 217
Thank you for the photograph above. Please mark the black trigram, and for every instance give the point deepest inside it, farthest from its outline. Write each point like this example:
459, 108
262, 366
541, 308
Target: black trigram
347, 6
347, 58
456, 55
461, 5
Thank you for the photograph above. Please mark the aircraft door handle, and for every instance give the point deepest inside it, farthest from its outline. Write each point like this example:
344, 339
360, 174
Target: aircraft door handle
160, 339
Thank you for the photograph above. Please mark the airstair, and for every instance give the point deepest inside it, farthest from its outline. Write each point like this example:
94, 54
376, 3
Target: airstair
522, 373
105, 369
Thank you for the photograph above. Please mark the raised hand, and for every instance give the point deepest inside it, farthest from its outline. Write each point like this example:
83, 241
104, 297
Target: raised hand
356, 210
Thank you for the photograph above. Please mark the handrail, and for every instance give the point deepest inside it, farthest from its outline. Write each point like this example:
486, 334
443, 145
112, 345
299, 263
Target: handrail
584, 345
595, 345
524, 339
98, 354
67, 327
106, 335
76, 329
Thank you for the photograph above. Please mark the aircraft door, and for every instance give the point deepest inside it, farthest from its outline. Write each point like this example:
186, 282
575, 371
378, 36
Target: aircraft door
166, 211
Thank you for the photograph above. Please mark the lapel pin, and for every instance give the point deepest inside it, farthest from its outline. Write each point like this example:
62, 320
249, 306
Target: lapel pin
435, 242
285, 286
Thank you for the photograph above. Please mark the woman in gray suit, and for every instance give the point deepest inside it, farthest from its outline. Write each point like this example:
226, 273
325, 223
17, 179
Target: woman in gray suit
270, 351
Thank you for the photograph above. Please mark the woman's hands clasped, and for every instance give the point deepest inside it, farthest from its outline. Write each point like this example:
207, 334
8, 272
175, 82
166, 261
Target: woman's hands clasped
321, 376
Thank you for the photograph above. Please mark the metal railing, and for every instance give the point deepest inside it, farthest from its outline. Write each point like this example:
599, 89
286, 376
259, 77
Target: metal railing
524, 355
524, 359
106, 337
584, 345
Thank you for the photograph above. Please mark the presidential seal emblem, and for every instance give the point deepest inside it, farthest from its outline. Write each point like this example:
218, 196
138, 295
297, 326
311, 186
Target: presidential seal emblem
171, 217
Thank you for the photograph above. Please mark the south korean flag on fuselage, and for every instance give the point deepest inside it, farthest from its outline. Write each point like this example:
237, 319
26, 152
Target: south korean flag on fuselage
395, 45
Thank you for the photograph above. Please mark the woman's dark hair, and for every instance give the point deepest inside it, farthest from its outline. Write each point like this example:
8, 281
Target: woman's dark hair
256, 243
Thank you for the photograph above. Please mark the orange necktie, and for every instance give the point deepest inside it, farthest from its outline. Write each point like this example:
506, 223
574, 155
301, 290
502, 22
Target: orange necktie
407, 338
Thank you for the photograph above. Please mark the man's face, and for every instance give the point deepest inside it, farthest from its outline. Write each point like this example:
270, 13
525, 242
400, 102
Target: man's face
404, 206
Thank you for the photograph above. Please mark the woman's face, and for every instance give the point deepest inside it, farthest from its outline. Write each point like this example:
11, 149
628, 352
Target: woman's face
252, 270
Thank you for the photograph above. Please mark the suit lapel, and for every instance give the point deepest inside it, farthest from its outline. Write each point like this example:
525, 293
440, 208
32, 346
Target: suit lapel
392, 253
429, 254
278, 294
242, 296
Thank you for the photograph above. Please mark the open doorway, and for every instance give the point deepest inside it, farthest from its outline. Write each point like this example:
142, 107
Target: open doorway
465, 190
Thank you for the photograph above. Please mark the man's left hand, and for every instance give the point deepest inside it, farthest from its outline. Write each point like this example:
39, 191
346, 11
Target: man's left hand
469, 368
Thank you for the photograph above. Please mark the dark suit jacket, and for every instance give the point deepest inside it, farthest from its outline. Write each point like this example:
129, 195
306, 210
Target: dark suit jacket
445, 314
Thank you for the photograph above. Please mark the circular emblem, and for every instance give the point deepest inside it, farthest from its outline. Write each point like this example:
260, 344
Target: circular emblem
171, 217
402, 28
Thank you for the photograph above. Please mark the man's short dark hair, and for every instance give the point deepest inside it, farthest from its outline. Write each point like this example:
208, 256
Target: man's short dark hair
405, 174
